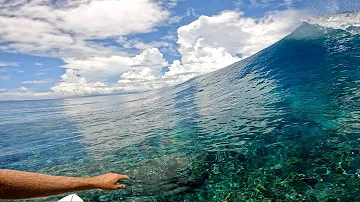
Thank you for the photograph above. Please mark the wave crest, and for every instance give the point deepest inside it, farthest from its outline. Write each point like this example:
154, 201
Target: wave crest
349, 21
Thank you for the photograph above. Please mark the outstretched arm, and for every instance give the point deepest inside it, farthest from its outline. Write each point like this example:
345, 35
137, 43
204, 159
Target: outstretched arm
25, 185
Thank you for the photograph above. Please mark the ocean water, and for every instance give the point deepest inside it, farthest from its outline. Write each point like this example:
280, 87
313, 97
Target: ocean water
282, 125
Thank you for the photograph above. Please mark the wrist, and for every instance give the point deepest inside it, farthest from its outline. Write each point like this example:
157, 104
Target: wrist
91, 183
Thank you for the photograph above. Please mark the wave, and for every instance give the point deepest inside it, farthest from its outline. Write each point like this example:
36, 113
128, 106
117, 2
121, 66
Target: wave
288, 117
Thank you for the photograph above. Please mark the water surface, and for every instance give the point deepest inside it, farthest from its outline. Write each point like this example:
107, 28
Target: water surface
282, 125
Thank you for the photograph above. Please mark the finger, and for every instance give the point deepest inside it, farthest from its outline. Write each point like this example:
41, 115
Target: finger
120, 186
123, 177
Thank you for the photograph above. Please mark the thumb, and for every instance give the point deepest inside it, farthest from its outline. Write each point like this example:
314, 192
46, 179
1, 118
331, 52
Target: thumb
120, 186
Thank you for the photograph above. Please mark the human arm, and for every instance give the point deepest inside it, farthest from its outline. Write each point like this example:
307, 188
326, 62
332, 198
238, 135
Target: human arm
25, 185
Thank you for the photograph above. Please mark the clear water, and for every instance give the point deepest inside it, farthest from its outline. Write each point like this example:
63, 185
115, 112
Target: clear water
283, 125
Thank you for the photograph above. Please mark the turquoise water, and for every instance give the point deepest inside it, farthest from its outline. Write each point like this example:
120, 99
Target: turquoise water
282, 125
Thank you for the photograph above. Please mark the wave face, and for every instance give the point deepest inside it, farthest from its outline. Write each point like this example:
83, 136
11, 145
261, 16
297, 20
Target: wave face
282, 125
286, 121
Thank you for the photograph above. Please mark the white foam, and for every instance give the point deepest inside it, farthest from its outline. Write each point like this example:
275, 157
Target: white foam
342, 21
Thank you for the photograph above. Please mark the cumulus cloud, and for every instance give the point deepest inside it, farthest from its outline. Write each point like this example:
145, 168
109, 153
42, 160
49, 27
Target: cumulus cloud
139, 80
81, 75
101, 67
71, 30
64, 29
207, 44
73, 84
213, 42
23, 89
92, 20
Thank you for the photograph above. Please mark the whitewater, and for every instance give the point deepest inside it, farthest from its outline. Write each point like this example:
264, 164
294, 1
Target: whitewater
281, 125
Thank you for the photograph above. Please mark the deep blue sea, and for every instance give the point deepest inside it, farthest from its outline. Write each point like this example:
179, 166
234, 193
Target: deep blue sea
282, 125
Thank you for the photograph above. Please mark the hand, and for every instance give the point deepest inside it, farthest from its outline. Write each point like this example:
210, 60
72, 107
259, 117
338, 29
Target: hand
108, 181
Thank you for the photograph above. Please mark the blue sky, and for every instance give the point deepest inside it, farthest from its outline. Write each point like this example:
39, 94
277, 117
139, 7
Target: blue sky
64, 48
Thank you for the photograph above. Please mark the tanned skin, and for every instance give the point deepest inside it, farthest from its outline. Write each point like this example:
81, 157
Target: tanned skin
25, 185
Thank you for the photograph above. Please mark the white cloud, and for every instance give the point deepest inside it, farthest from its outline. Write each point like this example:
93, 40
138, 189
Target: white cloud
207, 44
173, 3
6, 67
43, 81
139, 80
264, 3
171, 36
191, 12
102, 67
64, 29
23, 93
39, 64
153, 44
210, 43
72, 84
213, 42
9, 64
67, 30
23, 89
6, 3
82, 75
138, 44
101, 19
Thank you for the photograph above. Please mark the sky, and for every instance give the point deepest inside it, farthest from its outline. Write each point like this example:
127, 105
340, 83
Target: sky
60, 48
